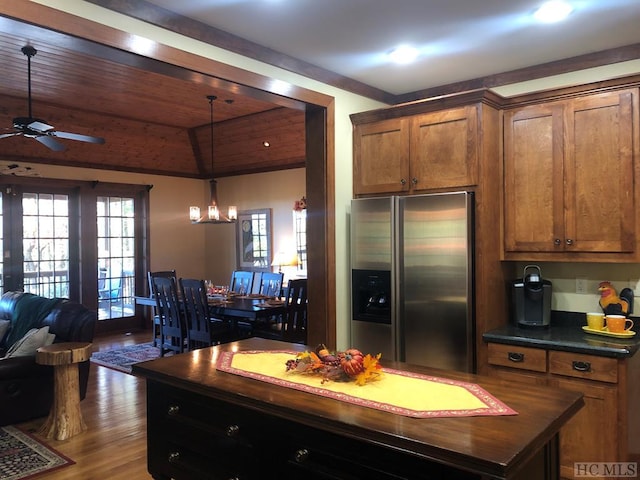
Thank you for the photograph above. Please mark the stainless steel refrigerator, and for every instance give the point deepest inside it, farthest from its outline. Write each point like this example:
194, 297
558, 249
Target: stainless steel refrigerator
411, 279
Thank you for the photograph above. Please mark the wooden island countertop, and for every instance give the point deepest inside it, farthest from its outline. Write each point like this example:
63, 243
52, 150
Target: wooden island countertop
502, 447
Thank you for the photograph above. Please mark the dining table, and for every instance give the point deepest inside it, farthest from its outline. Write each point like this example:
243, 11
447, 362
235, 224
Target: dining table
252, 308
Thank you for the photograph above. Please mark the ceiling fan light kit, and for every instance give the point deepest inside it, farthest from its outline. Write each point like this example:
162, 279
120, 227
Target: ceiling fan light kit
213, 212
38, 129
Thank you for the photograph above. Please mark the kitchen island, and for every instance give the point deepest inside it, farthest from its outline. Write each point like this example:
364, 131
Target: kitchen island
205, 423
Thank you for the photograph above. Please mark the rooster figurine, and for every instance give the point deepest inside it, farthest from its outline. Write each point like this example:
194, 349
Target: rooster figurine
614, 304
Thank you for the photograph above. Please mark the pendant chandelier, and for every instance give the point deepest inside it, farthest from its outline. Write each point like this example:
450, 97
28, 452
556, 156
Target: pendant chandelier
213, 215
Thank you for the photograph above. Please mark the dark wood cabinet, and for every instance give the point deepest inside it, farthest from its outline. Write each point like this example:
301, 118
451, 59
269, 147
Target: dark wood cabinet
569, 179
601, 431
381, 157
434, 150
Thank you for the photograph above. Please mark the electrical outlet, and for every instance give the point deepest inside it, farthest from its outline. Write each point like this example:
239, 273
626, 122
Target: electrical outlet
581, 285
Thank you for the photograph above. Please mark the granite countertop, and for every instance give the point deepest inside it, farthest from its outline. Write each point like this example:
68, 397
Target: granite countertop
565, 333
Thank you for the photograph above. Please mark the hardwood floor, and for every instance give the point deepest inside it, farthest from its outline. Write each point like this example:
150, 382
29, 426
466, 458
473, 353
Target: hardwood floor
115, 443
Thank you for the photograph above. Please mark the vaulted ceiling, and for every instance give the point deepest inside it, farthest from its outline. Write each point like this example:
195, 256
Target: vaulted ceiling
153, 116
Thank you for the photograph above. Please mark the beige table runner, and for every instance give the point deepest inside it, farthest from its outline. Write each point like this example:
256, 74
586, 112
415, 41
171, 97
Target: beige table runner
404, 393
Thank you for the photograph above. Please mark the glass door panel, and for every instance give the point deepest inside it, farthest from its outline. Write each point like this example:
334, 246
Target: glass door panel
45, 233
116, 257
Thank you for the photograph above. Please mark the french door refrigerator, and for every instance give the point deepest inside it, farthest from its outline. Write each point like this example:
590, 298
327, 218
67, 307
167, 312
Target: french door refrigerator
411, 286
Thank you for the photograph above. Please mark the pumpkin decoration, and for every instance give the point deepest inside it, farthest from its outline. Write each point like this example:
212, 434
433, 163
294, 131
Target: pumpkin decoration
350, 365
352, 361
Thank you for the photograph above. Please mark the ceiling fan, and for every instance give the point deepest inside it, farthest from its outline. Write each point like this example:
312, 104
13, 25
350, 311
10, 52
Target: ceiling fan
38, 129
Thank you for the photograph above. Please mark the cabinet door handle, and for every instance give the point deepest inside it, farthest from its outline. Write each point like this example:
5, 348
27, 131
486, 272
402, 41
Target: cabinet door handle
403, 181
414, 180
557, 241
581, 366
569, 241
301, 455
516, 357
232, 430
173, 410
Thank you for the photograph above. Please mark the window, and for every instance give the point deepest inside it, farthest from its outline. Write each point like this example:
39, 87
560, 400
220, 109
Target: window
75, 239
300, 234
45, 239
116, 256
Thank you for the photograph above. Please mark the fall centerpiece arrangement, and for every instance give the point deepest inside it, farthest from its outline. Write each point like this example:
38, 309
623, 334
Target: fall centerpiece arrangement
346, 366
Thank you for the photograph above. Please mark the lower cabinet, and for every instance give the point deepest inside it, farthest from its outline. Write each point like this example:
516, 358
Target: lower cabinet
196, 437
600, 431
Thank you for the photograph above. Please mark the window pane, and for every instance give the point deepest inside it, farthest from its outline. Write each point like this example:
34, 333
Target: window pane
300, 232
116, 251
45, 244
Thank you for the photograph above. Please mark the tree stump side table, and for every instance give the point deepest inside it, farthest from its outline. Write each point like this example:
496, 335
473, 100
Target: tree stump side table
65, 418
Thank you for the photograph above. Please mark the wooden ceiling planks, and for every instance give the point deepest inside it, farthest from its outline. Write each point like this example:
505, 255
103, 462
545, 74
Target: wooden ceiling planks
145, 109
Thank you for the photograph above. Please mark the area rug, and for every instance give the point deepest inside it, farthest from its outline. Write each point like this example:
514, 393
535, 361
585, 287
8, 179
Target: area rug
404, 393
24, 456
122, 358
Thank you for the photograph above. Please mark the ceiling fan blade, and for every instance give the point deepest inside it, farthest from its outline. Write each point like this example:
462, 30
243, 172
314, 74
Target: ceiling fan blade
4, 135
52, 143
76, 136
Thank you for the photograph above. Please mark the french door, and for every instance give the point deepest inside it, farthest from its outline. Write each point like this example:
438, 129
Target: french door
51, 235
36, 241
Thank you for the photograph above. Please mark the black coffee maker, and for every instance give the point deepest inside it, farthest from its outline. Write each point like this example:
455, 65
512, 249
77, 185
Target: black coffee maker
531, 299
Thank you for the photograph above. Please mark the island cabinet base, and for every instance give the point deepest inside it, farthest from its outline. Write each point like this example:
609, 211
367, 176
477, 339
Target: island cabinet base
193, 436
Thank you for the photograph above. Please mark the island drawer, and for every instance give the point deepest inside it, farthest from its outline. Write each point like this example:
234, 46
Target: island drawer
514, 356
589, 367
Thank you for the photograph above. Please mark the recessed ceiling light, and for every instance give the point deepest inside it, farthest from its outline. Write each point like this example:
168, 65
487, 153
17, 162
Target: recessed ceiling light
403, 54
266, 144
553, 11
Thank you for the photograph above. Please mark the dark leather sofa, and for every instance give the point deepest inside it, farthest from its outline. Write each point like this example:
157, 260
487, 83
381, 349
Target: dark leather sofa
26, 388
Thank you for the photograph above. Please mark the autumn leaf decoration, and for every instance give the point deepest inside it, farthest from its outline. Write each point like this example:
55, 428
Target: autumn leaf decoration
372, 369
349, 365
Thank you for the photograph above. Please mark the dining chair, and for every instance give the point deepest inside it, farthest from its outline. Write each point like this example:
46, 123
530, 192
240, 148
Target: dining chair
271, 284
155, 327
294, 323
203, 330
241, 282
172, 321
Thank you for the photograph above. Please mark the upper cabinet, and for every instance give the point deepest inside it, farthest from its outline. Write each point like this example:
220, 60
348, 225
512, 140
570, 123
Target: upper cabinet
569, 179
381, 157
415, 151
443, 150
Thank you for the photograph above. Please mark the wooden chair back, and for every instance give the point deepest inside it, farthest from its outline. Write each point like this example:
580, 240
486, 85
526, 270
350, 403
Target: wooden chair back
160, 273
241, 282
172, 323
271, 284
156, 317
294, 326
202, 330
